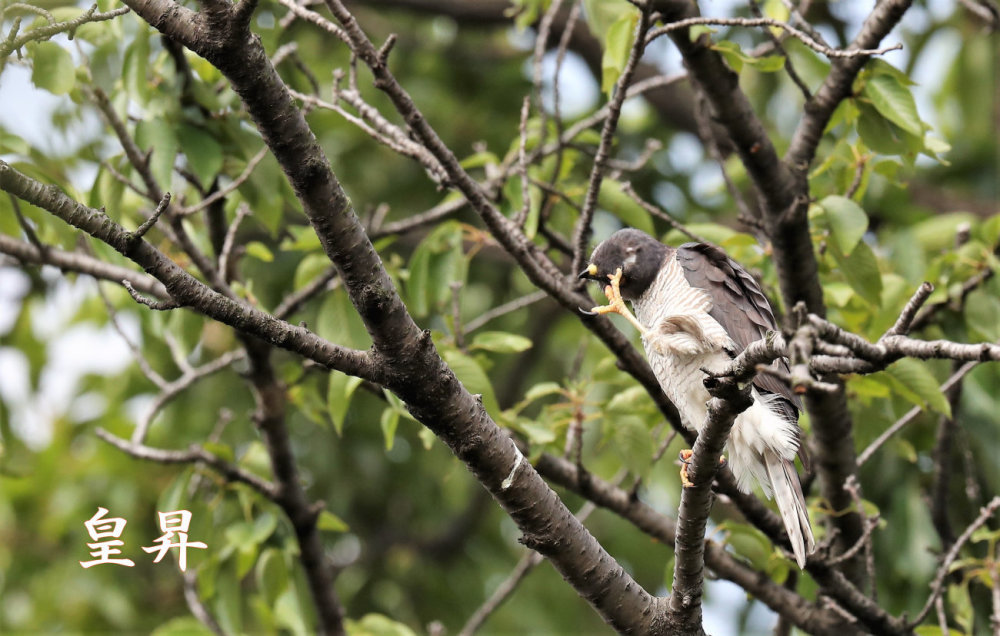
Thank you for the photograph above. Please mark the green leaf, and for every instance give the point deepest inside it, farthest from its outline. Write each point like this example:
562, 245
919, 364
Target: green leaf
272, 573
427, 437
158, 136
749, 542
617, 45
338, 321
309, 268
612, 198
846, 221
894, 101
223, 451
537, 433
135, 68
960, 603
934, 630
601, 14
288, 613
632, 400
389, 423
880, 134
436, 263
732, 52
768, 63
917, 384
304, 239
331, 523
377, 625
631, 440
53, 68
184, 626
837, 294
982, 314
861, 271
203, 153
541, 390
500, 342
259, 251
340, 388
470, 374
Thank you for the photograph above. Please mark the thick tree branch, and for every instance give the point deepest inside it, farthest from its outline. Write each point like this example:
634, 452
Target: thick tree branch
416, 373
183, 287
727, 402
837, 84
805, 615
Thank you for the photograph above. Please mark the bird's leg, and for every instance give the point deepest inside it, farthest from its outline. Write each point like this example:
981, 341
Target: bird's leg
685, 457
616, 304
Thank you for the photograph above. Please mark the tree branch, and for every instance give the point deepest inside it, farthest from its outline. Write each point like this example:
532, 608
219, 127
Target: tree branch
727, 402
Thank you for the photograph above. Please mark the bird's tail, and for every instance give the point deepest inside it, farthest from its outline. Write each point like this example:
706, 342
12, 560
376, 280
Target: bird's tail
791, 504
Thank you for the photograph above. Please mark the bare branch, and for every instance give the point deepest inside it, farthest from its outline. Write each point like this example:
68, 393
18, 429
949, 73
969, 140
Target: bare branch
581, 235
194, 455
911, 415
504, 309
938, 584
696, 502
771, 22
40, 34
153, 218
218, 195
155, 305
902, 325
81, 264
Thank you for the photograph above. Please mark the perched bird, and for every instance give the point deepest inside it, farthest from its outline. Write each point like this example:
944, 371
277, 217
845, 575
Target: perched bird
696, 309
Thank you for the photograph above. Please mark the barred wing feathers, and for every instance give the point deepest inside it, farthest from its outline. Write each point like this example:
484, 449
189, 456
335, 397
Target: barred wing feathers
739, 305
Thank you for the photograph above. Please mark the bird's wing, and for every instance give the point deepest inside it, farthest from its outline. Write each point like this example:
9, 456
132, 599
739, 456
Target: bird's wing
739, 305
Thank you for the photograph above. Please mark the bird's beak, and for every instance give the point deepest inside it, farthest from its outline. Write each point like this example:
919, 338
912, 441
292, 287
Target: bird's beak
590, 272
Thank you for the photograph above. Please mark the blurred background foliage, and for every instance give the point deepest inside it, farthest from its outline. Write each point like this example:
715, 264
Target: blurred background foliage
901, 170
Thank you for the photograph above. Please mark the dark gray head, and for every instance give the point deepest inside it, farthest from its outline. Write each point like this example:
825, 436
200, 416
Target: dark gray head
638, 254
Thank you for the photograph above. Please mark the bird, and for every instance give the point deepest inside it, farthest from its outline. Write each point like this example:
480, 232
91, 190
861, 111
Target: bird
696, 309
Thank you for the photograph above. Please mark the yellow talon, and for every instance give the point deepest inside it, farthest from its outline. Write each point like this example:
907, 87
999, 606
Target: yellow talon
685, 458
616, 304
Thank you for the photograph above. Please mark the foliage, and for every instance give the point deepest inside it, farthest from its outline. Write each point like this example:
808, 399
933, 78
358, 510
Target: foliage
411, 534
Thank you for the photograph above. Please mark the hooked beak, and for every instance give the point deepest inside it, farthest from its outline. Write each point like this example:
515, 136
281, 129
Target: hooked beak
589, 273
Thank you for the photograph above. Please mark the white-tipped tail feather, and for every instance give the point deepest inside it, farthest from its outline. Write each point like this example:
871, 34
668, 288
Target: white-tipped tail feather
791, 505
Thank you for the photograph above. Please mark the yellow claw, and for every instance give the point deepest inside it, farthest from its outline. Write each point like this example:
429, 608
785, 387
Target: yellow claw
685, 457
616, 304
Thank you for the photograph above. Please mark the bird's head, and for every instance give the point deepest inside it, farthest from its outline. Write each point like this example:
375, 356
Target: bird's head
639, 256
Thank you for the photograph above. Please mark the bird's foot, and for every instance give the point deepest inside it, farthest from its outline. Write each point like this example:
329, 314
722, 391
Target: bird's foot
685, 457
616, 304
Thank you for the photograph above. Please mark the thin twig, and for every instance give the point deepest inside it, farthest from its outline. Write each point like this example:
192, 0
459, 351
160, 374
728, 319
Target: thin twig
226, 191
902, 325
769, 22
198, 609
153, 218
936, 587
581, 236
242, 212
789, 67
194, 455
661, 214
911, 415
522, 165
506, 308
155, 305
144, 366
